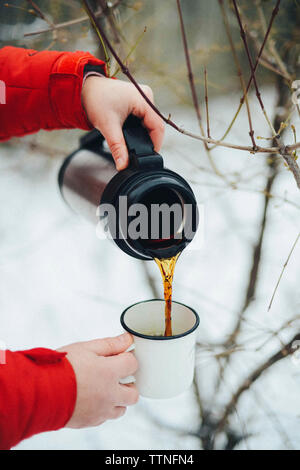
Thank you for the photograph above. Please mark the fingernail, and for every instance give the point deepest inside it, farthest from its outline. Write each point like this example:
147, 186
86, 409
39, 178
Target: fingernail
124, 336
119, 163
127, 337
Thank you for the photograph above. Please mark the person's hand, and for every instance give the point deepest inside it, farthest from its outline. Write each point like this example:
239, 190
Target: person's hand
99, 365
109, 102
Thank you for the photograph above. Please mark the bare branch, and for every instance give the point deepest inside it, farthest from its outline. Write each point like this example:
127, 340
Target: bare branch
274, 419
167, 120
283, 269
290, 160
239, 69
58, 26
40, 13
193, 89
253, 70
206, 103
79, 20
283, 352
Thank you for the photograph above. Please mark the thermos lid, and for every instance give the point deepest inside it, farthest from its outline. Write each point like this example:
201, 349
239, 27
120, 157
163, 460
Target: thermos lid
147, 182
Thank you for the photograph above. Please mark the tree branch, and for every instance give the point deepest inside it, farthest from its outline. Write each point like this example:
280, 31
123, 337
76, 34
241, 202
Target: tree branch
283, 269
239, 69
283, 352
167, 120
290, 160
79, 20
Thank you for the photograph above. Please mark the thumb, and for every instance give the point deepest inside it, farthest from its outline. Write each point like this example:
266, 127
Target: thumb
110, 346
113, 135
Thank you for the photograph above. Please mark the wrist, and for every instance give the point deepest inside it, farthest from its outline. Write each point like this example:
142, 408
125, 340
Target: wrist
92, 70
90, 84
65, 87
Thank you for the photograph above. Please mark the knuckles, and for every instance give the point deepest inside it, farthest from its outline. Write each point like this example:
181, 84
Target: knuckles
148, 91
161, 126
132, 362
120, 412
117, 149
135, 396
110, 343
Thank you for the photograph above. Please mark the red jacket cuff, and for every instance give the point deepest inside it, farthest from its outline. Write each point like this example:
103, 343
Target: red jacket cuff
65, 88
37, 394
43, 90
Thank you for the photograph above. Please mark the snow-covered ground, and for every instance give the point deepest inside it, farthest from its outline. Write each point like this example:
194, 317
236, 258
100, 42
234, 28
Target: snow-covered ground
61, 284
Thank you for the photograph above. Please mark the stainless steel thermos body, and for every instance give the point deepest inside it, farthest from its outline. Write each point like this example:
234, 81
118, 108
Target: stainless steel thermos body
88, 180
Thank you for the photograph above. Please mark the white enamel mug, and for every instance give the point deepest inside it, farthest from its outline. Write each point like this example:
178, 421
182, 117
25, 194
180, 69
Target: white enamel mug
166, 363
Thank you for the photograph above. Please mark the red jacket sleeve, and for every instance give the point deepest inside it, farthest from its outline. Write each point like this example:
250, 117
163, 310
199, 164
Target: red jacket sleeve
43, 90
37, 394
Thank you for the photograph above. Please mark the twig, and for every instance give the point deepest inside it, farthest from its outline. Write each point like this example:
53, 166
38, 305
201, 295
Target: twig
65, 24
108, 13
271, 44
275, 333
290, 148
193, 88
251, 288
273, 167
167, 120
206, 103
210, 424
131, 50
283, 70
59, 26
271, 67
39, 12
189, 68
290, 161
198, 393
239, 69
257, 251
278, 356
274, 419
248, 190
98, 32
283, 269
253, 70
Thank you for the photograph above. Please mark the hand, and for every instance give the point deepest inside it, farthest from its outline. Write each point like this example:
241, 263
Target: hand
109, 102
98, 367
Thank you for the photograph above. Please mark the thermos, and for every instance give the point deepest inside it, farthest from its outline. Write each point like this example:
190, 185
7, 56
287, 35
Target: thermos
89, 182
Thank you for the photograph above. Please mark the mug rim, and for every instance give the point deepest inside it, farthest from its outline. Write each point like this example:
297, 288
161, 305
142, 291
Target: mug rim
159, 338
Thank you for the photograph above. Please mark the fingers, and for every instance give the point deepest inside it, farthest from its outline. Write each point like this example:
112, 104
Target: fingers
128, 395
124, 364
112, 128
153, 123
110, 346
113, 134
117, 412
118, 99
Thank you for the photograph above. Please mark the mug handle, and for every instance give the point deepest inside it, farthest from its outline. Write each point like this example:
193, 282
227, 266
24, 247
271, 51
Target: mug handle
130, 379
127, 380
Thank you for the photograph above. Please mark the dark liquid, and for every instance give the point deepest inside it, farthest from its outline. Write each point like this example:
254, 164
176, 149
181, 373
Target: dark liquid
169, 197
167, 267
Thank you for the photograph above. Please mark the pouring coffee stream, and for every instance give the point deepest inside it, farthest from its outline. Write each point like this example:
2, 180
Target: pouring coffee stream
167, 267
167, 208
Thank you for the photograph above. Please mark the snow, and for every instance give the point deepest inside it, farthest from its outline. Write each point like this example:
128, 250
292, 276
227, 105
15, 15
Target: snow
61, 284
